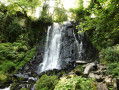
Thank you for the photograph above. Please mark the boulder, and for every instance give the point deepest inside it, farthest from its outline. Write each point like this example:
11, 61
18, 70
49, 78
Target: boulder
71, 73
81, 62
108, 80
101, 86
115, 84
89, 67
98, 78
101, 67
21, 75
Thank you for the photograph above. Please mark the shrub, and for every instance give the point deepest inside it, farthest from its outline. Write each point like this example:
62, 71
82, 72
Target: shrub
79, 67
46, 82
27, 57
14, 55
6, 66
111, 54
113, 68
12, 51
74, 83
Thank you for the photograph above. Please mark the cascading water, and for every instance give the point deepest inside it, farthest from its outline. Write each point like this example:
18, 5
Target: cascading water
61, 48
79, 45
52, 49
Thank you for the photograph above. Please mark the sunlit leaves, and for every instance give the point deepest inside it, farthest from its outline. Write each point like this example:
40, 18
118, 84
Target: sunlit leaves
79, 11
74, 83
60, 14
22, 5
104, 28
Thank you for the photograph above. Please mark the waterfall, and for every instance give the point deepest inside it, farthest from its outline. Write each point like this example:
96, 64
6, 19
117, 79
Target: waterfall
52, 48
79, 45
61, 47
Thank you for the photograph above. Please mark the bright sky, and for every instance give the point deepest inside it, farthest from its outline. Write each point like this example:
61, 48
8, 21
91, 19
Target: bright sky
68, 4
4, 1
86, 3
71, 3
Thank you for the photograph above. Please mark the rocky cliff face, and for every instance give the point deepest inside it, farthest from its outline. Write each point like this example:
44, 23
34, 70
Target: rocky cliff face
69, 46
75, 46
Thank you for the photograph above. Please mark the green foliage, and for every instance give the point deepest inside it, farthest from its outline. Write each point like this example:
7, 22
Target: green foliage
100, 21
10, 28
79, 12
110, 57
22, 5
6, 66
74, 83
18, 26
12, 51
79, 68
46, 82
45, 14
13, 29
113, 69
60, 14
14, 55
28, 56
111, 54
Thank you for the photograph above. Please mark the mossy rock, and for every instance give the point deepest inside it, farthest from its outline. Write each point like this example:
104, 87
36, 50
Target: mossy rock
79, 70
46, 82
3, 78
24, 89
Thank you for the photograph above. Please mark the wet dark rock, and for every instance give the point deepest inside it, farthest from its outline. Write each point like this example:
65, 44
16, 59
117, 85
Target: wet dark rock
21, 82
79, 73
70, 26
4, 85
31, 81
69, 49
26, 68
19, 86
21, 75
50, 72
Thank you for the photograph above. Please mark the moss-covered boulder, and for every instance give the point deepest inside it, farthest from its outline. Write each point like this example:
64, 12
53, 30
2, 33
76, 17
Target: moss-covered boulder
46, 82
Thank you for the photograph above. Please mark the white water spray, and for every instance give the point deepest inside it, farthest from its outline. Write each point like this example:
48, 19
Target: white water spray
52, 49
